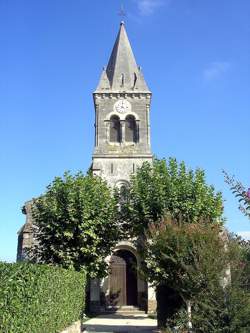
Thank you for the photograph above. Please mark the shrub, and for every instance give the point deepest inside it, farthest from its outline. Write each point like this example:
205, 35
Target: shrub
214, 309
186, 262
39, 298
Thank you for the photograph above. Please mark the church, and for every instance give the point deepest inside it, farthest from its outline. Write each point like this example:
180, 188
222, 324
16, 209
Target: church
122, 143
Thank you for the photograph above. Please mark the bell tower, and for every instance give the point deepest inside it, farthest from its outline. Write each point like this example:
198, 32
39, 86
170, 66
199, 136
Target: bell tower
122, 106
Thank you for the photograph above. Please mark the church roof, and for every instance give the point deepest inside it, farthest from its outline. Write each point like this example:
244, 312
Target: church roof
122, 73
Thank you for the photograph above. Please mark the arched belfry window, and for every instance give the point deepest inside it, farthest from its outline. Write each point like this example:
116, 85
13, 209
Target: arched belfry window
131, 134
115, 129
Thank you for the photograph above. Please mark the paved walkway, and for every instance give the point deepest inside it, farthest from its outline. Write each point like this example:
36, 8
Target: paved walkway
120, 323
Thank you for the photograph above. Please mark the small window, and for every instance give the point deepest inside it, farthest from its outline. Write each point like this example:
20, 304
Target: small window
115, 129
123, 194
130, 129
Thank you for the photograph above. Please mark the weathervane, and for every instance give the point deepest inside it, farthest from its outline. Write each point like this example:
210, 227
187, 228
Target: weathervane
122, 12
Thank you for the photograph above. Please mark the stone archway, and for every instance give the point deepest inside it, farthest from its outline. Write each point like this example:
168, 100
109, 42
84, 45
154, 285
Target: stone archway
123, 288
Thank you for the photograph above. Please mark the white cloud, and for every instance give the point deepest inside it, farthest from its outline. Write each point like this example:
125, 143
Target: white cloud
215, 70
148, 7
244, 234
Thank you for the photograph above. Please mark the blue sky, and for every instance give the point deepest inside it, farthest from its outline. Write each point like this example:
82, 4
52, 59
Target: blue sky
195, 58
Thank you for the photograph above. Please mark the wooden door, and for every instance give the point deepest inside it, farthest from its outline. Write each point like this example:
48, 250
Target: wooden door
117, 279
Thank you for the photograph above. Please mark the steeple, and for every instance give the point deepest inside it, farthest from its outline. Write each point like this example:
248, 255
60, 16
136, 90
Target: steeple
122, 73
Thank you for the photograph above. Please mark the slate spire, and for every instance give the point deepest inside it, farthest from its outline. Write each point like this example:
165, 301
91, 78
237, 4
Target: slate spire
122, 73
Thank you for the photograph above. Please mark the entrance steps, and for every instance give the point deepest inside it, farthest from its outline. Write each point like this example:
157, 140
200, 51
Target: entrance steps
124, 310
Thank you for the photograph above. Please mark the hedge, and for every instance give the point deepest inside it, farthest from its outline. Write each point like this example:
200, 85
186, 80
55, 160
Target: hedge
39, 298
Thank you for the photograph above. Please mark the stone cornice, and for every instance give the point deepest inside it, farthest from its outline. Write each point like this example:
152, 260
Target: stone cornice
118, 95
120, 156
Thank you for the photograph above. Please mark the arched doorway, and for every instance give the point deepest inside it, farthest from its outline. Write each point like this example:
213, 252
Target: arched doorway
123, 279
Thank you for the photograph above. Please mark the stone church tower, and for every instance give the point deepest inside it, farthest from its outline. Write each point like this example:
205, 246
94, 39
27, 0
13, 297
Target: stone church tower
122, 143
122, 106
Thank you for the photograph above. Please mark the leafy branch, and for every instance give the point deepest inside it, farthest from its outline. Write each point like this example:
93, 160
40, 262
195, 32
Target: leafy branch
241, 193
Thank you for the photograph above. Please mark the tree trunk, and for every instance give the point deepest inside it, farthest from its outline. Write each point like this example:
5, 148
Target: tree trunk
189, 313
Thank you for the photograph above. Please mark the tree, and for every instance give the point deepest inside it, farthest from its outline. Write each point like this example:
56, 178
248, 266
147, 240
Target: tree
169, 188
206, 278
76, 223
236, 306
176, 221
190, 260
241, 193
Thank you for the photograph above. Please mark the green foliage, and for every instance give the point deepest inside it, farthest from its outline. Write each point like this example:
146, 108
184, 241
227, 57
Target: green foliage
240, 261
76, 223
189, 258
192, 260
237, 311
228, 310
238, 292
177, 218
240, 192
39, 298
170, 188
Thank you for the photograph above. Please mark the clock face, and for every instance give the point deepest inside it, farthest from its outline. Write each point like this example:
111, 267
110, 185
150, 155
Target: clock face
122, 106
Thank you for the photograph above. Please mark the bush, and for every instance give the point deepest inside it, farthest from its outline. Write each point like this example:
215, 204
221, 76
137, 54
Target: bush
39, 298
225, 310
